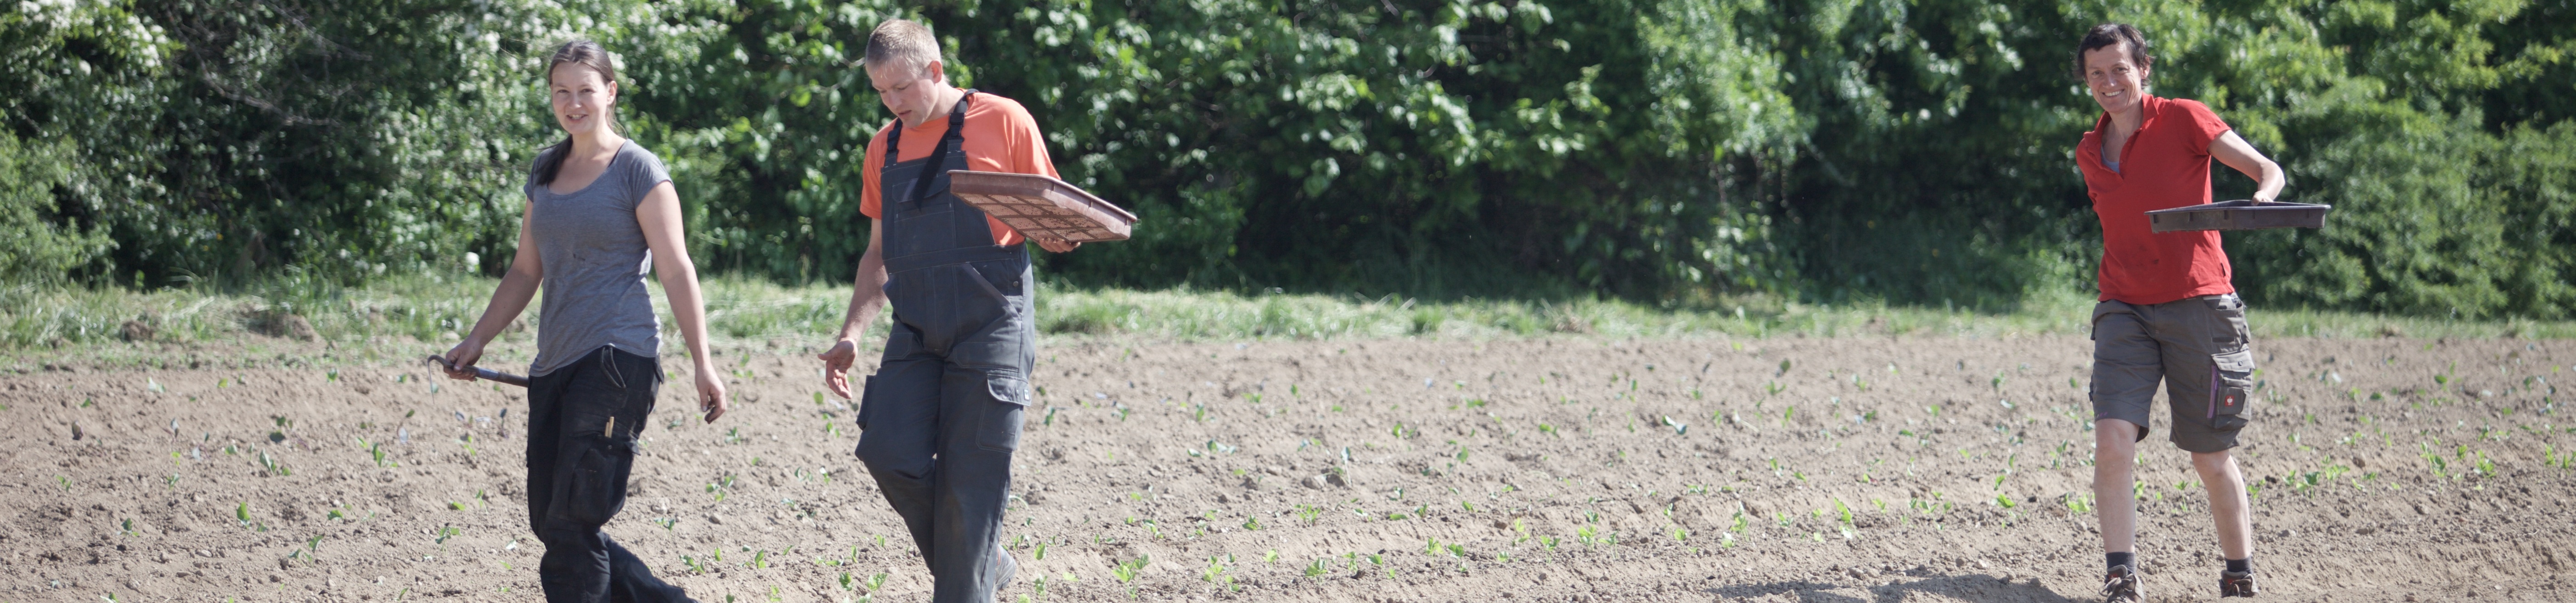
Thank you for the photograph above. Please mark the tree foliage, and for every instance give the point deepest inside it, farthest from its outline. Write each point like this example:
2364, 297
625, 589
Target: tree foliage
1918, 151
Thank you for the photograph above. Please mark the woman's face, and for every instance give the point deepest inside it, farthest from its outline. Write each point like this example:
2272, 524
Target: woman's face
2116, 81
581, 98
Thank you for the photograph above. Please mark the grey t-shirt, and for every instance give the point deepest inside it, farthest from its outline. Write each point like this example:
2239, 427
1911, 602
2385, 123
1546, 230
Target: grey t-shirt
595, 259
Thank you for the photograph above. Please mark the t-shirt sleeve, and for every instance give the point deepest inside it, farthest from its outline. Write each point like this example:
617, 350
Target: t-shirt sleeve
871, 167
644, 173
530, 188
1028, 146
2204, 125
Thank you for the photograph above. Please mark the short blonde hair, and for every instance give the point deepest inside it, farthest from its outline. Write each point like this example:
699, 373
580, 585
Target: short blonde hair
902, 40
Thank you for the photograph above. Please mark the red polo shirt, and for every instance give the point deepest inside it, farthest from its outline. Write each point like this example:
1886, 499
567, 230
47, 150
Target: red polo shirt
2165, 165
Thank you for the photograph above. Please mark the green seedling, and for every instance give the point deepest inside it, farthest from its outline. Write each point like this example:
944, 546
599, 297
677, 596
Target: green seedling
1126, 571
1214, 572
1041, 550
1316, 569
446, 532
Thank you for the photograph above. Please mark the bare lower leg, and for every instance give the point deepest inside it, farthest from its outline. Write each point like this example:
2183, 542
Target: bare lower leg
2227, 502
2115, 454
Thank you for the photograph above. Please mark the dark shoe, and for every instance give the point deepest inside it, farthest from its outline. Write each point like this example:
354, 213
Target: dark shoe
2121, 586
2235, 584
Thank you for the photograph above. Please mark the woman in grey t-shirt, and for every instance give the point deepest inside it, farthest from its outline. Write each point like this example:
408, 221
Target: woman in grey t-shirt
601, 215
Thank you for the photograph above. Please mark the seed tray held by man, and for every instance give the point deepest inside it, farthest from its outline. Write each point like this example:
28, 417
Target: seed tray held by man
1039, 206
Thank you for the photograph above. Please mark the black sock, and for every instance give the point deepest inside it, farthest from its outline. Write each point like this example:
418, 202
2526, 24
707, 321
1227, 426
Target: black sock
2245, 565
2120, 559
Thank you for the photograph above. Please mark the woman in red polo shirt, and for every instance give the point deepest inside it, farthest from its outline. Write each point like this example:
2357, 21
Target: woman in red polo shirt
2167, 312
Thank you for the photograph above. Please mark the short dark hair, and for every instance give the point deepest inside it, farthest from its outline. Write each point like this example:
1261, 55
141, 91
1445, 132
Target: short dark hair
2113, 33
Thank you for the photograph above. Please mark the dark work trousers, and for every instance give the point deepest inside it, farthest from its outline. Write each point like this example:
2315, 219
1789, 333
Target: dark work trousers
942, 414
583, 419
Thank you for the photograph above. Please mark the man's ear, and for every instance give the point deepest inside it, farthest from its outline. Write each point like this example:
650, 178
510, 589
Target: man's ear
935, 72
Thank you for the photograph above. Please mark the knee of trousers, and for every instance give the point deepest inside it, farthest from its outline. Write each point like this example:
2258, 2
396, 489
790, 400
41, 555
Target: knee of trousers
881, 458
564, 535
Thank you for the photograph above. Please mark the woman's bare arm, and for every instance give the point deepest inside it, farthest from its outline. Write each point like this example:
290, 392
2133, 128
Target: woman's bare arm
2232, 150
660, 217
518, 285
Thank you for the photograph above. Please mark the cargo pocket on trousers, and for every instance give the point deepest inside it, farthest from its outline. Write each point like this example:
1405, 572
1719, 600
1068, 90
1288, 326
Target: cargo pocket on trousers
598, 488
2231, 381
867, 390
999, 428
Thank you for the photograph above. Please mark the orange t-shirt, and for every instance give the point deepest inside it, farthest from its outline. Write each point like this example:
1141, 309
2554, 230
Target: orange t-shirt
2164, 165
1000, 137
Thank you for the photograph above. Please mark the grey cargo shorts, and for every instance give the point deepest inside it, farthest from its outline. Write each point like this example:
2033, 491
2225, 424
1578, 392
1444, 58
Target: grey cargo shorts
2197, 347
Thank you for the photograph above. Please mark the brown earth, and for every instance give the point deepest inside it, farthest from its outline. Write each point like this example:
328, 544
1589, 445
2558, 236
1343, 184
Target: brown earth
1566, 469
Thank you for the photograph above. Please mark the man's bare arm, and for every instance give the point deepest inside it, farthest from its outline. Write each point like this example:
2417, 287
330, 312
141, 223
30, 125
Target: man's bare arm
867, 297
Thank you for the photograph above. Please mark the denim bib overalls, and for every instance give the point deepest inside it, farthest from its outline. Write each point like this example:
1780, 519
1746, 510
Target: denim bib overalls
941, 416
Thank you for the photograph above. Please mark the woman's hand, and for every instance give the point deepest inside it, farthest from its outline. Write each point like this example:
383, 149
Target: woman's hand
711, 392
461, 359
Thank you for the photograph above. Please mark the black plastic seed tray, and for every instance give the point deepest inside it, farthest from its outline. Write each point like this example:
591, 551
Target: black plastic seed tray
2241, 214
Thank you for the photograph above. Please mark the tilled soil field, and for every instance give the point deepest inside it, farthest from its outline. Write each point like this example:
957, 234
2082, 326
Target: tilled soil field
1564, 469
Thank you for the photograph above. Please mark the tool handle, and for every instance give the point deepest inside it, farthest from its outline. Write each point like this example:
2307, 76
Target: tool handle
484, 373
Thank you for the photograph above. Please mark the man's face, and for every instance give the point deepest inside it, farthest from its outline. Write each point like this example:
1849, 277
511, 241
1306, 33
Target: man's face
2116, 82
908, 92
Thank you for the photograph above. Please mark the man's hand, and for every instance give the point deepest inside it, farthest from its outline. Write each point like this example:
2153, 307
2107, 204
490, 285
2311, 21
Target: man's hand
836, 366
1056, 245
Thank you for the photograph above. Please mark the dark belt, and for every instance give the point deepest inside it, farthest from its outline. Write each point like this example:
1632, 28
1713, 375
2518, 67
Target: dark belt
962, 255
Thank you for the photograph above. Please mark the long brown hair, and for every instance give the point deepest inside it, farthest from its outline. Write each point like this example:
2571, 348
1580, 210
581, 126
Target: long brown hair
585, 53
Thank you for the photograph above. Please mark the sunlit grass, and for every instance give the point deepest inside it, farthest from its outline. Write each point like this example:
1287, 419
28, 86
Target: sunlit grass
399, 317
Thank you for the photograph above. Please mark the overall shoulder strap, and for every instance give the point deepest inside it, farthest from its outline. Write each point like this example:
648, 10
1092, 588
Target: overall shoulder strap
894, 143
948, 143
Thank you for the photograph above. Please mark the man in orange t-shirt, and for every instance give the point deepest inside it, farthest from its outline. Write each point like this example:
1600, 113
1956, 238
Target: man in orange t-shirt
2168, 312
941, 416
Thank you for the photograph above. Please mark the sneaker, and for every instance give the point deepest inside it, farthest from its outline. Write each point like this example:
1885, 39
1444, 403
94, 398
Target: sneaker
2235, 584
2121, 586
1007, 569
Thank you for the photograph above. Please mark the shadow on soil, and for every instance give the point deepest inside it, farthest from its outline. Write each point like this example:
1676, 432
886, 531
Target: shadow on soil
1973, 587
